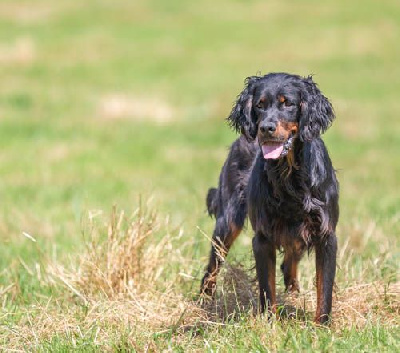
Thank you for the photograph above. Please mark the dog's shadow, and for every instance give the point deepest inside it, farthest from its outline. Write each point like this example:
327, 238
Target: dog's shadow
237, 295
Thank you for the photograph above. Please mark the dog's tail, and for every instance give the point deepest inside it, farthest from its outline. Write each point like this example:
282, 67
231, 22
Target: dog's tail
212, 201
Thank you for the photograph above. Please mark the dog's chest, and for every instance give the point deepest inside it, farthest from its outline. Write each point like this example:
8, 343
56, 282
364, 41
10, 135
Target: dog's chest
288, 223
276, 208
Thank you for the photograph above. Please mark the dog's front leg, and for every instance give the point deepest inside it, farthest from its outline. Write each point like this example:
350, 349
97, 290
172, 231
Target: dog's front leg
265, 256
325, 260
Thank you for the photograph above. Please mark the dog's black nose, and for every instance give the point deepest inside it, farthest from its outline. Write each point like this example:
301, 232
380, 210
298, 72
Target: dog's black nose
268, 128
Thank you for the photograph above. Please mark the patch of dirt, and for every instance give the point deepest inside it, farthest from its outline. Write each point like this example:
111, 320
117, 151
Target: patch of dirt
123, 106
22, 51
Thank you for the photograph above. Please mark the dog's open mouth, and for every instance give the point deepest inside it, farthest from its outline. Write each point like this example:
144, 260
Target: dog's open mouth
272, 150
277, 149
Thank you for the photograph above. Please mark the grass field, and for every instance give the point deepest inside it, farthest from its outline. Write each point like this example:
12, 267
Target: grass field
111, 131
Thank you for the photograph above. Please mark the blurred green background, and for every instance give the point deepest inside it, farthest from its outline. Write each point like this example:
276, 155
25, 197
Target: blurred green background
104, 102
101, 102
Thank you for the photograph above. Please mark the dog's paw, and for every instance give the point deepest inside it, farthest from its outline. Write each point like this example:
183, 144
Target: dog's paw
208, 285
293, 287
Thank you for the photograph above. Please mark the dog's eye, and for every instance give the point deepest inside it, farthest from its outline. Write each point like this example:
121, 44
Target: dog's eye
260, 105
284, 101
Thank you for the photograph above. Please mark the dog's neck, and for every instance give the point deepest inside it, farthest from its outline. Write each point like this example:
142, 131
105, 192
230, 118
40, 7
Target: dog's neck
286, 175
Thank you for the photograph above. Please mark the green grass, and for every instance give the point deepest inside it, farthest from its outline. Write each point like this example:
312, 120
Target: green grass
66, 149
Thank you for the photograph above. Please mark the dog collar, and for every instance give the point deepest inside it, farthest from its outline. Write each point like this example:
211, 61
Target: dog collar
287, 146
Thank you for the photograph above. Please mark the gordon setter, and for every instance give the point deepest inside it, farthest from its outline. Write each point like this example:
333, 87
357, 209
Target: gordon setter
278, 172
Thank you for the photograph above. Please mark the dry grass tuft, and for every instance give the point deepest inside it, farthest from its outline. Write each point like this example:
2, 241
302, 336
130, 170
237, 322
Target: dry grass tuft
364, 303
124, 263
135, 264
128, 277
236, 293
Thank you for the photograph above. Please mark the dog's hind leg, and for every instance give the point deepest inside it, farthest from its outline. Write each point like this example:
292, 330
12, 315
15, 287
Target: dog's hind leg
223, 238
289, 266
227, 228
289, 270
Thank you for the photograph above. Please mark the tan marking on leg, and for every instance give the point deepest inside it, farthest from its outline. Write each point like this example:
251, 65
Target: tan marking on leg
272, 282
319, 280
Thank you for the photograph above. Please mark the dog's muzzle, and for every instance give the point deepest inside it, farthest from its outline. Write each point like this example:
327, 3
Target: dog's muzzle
277, 150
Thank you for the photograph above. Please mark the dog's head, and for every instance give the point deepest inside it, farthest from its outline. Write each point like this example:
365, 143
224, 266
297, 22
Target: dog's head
277, 108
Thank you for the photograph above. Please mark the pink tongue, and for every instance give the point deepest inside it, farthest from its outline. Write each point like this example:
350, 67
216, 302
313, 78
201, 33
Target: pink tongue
272, 151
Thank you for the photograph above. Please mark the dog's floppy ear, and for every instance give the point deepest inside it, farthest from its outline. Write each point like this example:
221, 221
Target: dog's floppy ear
241, 117
316, 111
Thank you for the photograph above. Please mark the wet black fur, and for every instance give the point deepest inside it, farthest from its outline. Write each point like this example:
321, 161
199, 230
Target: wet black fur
291, 206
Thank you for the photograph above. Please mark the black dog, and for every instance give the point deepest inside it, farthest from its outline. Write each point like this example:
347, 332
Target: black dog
280, 174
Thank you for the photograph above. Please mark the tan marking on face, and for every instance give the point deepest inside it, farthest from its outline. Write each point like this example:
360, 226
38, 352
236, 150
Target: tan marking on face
285, 130
281, 99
